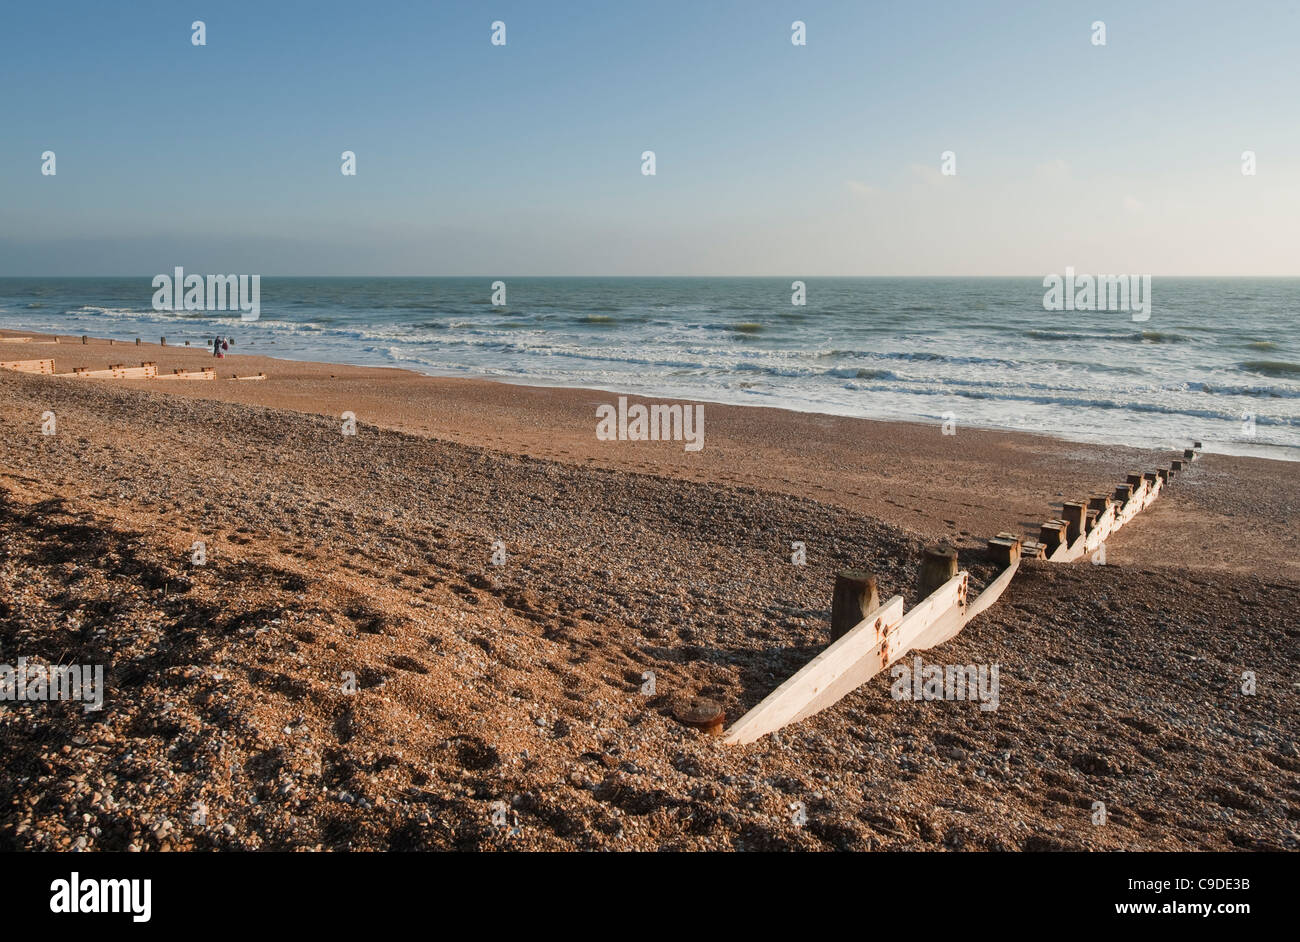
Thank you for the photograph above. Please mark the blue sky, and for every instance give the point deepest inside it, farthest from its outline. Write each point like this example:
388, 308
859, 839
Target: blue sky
772, 159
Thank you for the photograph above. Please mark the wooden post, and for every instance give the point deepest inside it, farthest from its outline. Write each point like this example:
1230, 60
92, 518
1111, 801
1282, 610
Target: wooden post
83, 338
1005, 549
1175, 466
1163, 474
1189, 455
1151, 477
938, 565
1051, 534
1196, 445
855, 597
1123, 492
1134, 478
1075, 514
164, 342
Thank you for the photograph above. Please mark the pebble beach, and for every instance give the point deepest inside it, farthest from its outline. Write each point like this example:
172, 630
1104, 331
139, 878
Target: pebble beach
466, 626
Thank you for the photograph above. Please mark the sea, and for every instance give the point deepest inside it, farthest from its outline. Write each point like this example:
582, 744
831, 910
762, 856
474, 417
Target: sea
1218, 359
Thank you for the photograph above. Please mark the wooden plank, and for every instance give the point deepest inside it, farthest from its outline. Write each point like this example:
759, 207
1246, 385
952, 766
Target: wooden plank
932, 617
1133, 506
118, 371
854, 658
992, 592
248, 379
877, 642
1104, 527
939, 633
143, 371
29, 366
1068, 552
847, 681
208, 372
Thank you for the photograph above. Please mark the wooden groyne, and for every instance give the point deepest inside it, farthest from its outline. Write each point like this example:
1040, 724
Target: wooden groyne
868, 636
117, 371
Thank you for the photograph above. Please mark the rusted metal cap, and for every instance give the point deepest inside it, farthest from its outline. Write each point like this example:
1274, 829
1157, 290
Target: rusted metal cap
705, 715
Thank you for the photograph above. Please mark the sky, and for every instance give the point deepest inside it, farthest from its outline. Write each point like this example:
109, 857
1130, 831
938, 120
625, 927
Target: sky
771, 158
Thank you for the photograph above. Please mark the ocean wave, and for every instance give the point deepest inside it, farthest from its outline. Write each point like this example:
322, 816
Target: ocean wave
1132, 406
119, 311
1279, 368
860, 373
1039, 334
1260, 392
1157, 336
993, 396
1092, 366
139, 314
924, 357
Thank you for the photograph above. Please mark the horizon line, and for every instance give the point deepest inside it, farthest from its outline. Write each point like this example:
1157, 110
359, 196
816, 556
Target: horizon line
783, 276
